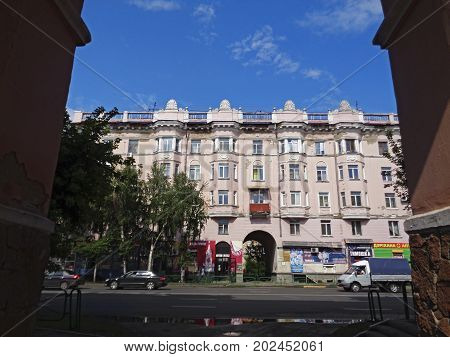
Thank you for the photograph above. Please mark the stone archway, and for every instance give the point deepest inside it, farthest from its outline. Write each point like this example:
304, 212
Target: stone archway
270, 247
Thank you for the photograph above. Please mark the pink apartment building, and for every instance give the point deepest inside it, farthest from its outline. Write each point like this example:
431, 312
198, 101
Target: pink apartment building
308, 186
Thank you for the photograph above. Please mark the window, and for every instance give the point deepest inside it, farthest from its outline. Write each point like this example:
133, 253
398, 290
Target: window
133, 146
177, 145
224, 145
281, 172
294, 172
257, 147
350, 146
321, 173
223, 171
324, 199
283, 199
295, 229
356, 228
235, 198
177, 168
235, 171
292, 145
166, 144
211, 173
211, 198
194, 172
195, 146
326, 228
386, 174
223, 227
258, 196
353, 172
295, 198
394, 230
223, 197
344, 203
281, 147
383, 147
355, 198
258, 172
390, 200
305, 173
341, 172
166, 169
306, 199
320, 148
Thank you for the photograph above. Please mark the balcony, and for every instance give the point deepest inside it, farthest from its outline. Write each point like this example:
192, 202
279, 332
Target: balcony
198, 116
223, 211
355, 213
257, 117
140, 116
376, 118
294, 212
259, 209
318, 117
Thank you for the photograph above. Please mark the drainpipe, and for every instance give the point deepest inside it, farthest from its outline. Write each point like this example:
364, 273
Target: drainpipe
278, 177
336, 171
186, 135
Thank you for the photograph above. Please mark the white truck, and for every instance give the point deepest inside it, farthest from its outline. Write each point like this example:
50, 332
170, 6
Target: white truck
384, 273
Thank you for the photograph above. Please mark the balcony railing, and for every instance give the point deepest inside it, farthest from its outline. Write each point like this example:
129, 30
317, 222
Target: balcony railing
118, 116
257, 116
355, 212
140, 116
318, 117
376, 118
259, 209
198, 116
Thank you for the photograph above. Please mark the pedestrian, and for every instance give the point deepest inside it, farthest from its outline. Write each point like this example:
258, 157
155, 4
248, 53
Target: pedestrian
182, 272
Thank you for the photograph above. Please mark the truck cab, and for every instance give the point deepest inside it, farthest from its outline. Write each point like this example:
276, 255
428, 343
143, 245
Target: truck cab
356, 277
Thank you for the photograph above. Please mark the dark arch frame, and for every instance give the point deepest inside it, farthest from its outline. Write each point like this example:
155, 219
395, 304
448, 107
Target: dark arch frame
269, 244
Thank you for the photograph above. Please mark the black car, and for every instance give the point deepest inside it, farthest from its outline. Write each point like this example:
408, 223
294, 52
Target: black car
137, 279
62, 279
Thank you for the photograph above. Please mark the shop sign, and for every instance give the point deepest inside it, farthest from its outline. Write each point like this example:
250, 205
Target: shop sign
391, 245
360, 253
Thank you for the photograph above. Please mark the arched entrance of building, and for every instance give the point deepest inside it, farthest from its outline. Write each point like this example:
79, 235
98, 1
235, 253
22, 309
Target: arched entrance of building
223, 251
269, 245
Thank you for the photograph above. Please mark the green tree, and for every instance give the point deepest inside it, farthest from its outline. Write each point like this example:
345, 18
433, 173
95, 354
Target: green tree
126, 210
254, 258
83, 181
176, 209
396, 157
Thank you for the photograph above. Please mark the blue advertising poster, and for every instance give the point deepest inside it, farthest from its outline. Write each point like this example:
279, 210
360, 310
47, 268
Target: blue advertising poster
296, 257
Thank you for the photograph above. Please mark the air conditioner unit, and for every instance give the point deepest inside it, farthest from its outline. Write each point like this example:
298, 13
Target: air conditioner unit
130, 154
314, 250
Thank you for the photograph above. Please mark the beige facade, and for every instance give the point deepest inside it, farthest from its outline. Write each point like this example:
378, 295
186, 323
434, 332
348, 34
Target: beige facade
289, 179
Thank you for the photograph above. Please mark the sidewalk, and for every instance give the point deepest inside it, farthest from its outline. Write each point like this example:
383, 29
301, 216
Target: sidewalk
222, 284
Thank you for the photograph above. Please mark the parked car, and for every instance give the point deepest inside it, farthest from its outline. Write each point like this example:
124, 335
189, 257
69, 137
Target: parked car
62, 279
137, 279
387, 273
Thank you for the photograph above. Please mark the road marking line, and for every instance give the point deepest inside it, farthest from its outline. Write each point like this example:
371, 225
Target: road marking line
193, 307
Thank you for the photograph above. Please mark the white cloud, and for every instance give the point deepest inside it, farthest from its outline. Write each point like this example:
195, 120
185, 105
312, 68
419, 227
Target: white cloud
262, 48
312, 73
344, 16
156, 5
205, 13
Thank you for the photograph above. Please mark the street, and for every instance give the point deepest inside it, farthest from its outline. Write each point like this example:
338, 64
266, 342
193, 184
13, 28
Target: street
220, 302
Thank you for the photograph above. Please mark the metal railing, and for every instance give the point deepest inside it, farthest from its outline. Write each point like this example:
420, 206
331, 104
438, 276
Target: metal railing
198, 115
257, 116
318, 116
376, 118
70, 309
139, 116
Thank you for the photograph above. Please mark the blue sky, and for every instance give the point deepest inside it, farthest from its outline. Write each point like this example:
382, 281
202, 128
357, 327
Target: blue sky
256, 53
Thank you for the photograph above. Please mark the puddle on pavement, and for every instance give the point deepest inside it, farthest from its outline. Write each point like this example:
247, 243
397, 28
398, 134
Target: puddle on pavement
211, 322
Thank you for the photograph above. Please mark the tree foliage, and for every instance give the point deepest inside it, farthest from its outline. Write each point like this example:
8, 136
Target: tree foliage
396, 157
84, 173
254, 258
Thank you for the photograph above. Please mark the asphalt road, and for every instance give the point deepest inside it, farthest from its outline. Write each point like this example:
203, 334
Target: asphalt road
209, 302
